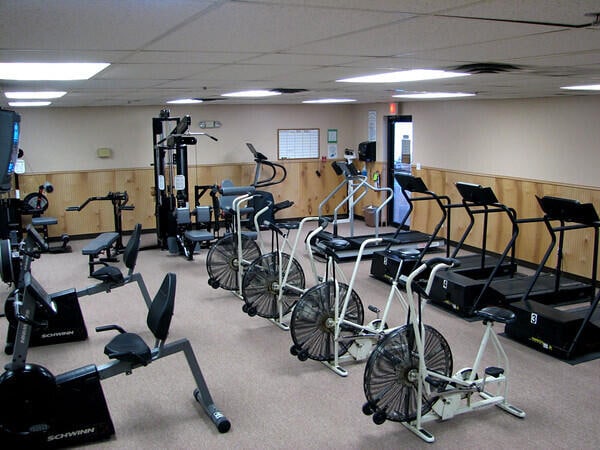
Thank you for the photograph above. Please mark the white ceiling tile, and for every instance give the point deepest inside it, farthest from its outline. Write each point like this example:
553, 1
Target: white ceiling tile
175, 48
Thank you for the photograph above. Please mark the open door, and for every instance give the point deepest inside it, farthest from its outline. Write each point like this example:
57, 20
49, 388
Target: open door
399, 157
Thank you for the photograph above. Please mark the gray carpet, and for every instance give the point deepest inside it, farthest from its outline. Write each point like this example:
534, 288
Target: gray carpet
273, 400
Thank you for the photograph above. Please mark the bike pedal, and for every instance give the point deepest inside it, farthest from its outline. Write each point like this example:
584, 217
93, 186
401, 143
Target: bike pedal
374, 309
494, 371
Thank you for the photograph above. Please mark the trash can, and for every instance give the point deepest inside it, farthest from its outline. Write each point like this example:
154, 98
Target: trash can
369, 215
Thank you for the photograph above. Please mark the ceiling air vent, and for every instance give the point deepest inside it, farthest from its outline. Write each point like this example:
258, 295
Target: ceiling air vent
289, 90
480, 68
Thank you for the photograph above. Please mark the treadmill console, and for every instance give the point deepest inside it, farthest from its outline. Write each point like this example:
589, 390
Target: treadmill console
568, 210
411, 183
475, 193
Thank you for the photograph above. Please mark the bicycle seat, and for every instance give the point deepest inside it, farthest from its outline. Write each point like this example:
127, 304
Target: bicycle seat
496, 314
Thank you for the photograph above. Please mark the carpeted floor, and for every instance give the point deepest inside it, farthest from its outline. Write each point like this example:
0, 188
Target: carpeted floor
273, 400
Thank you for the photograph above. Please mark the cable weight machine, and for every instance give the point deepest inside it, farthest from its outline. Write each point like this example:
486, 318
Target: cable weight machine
170, 138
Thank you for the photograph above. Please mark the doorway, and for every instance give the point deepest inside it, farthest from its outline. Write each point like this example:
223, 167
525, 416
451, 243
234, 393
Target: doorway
399, 157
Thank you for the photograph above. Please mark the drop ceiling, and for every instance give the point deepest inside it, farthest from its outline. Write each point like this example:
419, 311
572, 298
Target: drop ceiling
161, 50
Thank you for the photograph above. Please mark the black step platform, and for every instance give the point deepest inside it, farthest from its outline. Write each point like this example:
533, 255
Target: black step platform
564, 321
561, 331
544, 290
459, 289
462, 289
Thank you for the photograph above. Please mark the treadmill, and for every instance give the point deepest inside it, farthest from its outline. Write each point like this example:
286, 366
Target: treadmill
357, 187
460, 288
385, 263
556, 314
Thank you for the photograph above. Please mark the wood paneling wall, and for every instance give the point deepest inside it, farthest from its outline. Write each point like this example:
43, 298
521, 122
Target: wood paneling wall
304, 186
307, 189
518, 194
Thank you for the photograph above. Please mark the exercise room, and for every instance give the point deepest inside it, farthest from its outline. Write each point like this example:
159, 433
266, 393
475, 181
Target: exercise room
299, 224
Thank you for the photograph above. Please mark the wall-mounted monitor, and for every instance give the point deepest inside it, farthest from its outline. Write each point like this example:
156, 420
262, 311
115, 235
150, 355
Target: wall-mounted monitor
10, 128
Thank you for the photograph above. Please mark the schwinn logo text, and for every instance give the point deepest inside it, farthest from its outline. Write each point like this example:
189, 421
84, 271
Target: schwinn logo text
71, 434
58, 334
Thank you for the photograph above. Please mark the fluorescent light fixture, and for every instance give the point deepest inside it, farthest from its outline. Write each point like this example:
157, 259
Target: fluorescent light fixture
26, 104
50, 71
404, 76
35, 95
433, 95
587, 87
330, 100
184, 101
252, 94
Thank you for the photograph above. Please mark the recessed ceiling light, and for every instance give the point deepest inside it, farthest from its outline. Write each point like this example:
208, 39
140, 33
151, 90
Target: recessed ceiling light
184, 101
252, 94
26, 104
587, 87
35, 95
331, 100
432, 95
404, 76
50, 71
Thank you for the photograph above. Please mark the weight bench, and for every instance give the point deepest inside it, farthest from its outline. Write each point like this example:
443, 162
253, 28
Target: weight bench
101, 243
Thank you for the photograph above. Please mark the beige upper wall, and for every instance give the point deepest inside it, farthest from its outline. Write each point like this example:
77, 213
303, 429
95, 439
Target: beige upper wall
555, 139
544, 139
66, 139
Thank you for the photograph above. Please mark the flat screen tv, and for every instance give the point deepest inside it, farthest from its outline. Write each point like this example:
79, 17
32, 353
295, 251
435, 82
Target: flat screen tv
10, 128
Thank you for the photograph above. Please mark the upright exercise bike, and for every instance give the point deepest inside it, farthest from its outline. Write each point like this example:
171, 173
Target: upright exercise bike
40, 410
408, 377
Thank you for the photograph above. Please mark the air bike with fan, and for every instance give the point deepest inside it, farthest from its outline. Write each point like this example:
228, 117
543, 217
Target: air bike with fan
269, 282
409, 375
328, 322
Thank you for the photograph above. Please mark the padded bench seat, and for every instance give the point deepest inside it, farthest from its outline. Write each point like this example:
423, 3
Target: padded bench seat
199, 235
43, 221
101, 243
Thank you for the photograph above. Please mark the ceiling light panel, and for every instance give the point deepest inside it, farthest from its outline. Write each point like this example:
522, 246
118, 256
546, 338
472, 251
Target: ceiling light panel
252, 94
184, 101
404, 76
49, 71
34, 95
585, 87
433, 95
330, 100
28, 104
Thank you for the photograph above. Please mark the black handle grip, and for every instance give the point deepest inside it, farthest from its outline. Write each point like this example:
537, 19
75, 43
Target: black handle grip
452, 262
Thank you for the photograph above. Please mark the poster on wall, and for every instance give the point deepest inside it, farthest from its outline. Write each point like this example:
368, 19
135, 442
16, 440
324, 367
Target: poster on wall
332, 151
372, 127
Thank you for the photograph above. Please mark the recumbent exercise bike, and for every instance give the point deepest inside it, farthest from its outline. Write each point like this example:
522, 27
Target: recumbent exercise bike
68, 324
45, 411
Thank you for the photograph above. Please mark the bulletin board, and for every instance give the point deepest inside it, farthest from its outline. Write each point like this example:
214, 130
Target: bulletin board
298, 143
